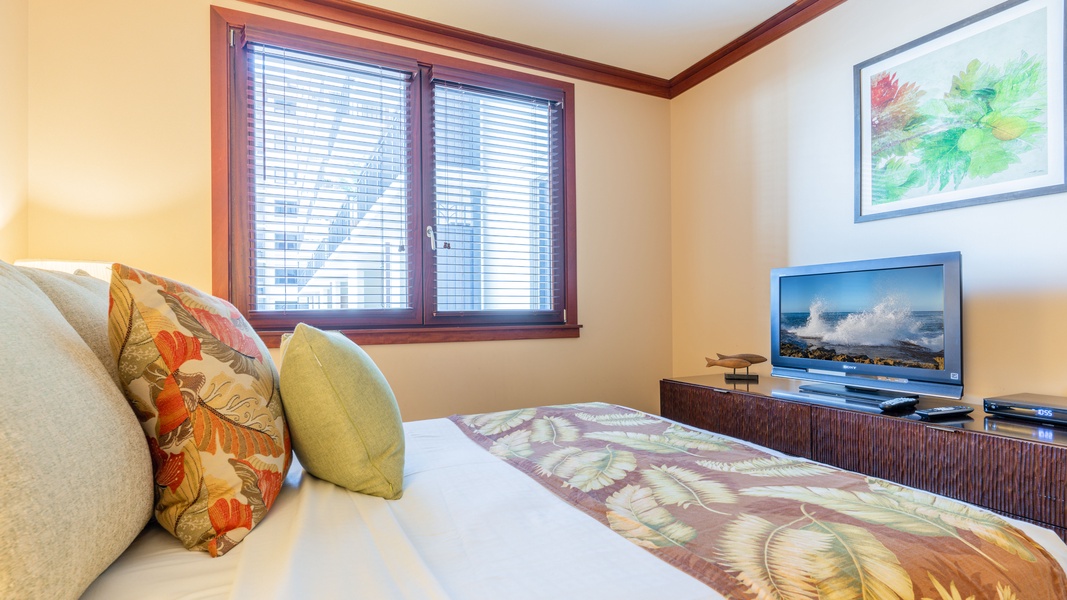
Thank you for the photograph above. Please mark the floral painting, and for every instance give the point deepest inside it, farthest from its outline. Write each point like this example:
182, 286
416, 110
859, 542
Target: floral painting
970, 114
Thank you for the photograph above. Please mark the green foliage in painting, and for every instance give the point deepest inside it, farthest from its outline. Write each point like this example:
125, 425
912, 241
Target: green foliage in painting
988, 119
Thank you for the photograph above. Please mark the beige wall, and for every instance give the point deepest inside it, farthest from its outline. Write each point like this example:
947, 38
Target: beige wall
14, 23
756, 163
762, 177
119, 126
123, 173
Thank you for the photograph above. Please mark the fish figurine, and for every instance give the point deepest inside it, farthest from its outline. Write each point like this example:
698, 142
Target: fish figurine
729, 362
753, 359
735, 362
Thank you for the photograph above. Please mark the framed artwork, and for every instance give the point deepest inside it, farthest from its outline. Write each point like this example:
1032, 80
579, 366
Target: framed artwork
970, 114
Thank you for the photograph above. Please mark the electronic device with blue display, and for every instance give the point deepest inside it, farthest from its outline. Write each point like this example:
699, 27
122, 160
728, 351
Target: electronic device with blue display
1031, 407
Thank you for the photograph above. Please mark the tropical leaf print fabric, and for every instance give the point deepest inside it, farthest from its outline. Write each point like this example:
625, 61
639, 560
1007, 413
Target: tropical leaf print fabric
754, 525
206, 393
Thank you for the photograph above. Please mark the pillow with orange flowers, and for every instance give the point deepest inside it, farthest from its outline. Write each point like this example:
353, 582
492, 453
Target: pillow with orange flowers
206, 394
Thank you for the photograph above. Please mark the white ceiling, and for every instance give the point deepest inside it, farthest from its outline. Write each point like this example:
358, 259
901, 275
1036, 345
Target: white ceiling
660, 38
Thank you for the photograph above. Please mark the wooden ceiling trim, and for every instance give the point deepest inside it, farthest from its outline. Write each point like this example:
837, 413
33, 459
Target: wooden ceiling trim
787, 20
379, 20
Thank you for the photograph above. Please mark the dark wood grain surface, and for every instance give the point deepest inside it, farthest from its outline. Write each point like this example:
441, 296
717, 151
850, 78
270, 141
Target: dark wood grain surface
1018, 470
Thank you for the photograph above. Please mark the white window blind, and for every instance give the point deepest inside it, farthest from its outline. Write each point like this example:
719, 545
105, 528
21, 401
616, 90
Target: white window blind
496, 174
330, 180
380, 194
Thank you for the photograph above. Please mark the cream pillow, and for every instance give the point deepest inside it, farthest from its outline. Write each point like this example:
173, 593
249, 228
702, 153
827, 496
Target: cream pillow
82, 300
343, 417
75, 471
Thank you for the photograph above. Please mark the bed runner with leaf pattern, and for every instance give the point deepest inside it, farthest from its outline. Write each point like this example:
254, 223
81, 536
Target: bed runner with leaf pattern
755, 525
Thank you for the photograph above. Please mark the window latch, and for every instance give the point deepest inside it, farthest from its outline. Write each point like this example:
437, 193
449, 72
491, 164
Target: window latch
433, 238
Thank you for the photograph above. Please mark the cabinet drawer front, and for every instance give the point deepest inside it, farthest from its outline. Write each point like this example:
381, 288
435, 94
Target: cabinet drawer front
698, 407
1006, 475
878, 446
776, 424
783, 426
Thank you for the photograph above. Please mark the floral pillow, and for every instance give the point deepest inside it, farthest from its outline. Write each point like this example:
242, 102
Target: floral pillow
206, 393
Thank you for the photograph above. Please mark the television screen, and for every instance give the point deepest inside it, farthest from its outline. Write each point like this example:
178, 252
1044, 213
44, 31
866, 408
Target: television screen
888, 324
885, 317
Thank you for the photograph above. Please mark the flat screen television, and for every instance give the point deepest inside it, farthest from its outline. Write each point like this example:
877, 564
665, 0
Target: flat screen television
870, 329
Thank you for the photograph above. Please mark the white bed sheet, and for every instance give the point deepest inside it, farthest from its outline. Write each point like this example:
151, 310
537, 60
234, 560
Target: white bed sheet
469, 526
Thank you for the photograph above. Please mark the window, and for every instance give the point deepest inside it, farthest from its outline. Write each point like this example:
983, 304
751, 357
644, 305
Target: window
399, 197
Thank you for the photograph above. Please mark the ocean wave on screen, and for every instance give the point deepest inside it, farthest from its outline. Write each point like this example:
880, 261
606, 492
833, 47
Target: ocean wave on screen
889, 322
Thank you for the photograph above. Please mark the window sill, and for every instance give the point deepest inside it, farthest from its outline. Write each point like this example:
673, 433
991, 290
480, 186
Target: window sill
431, 335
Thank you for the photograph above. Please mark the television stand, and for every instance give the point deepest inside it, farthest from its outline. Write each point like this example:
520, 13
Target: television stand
1012, 467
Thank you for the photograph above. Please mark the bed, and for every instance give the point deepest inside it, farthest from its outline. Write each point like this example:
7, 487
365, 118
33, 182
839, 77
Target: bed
491, 509
589, 500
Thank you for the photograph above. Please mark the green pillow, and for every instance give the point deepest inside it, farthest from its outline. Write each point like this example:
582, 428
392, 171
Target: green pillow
343, 418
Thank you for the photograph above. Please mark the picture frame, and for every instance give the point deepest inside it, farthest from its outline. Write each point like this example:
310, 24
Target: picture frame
970, 114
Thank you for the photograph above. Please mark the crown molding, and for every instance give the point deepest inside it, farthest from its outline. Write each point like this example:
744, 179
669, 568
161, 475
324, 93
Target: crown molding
394, 24
787, 20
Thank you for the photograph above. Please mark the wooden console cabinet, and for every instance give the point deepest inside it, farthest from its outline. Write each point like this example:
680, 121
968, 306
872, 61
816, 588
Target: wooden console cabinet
1016, 469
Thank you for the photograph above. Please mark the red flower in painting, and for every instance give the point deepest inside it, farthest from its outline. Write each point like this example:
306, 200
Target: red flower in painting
894, 108
169, 468
175, 347
884, 89
227, 515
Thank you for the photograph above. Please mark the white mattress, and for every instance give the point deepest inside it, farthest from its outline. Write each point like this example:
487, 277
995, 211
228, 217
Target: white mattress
469, 526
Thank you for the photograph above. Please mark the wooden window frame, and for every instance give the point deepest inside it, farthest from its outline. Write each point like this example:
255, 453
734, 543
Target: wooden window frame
229, 145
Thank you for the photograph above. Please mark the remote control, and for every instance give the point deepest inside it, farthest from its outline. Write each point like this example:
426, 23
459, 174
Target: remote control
897, 403
944, 411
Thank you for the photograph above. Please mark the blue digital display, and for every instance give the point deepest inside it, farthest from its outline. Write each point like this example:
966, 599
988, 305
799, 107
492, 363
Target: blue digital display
1043, 412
